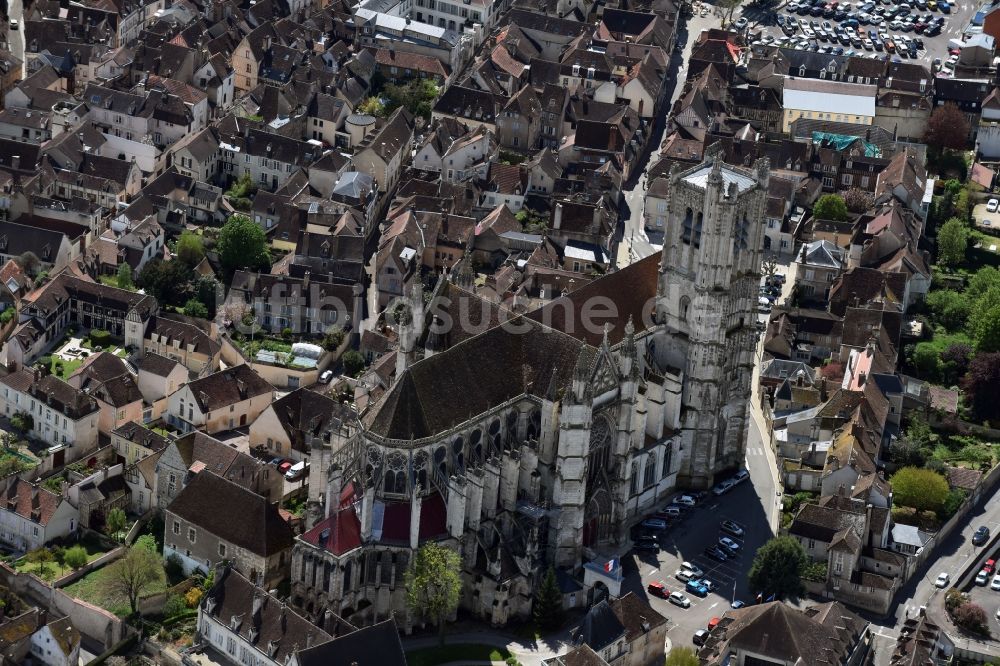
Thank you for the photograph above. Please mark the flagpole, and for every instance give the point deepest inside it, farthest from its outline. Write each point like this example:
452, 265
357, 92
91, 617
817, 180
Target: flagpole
734, 591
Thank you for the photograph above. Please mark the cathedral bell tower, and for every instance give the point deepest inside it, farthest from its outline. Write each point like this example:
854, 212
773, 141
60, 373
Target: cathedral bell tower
707, 307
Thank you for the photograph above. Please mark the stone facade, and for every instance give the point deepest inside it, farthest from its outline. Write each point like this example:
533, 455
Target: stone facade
545, 445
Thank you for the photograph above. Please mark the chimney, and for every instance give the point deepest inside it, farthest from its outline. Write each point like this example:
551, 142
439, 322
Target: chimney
305, 279
15, 162
557, 216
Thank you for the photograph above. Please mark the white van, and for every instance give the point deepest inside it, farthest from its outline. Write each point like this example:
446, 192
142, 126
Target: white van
296, 471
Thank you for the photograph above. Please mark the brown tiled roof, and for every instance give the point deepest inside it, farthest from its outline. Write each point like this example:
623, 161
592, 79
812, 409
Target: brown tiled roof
637, 616
30, 501
232, 513
966, 479
158, 365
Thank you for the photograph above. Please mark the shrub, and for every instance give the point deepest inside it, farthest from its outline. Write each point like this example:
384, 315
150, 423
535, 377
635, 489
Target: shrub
174, 567
6, 316
100, 338
75, 557
333, 339
175, 606
953, 598
286, 333
192, 597
45, 360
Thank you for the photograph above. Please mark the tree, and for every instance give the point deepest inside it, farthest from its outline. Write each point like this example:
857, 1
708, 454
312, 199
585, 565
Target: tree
167, 281
548, 607
926, 360
124, 277
23, 422
952, 240
858, 200
728, 7
950, 308
195, 308
206, 290
189, 248
955, 362
29, 263
971, 617
42, 558
75, 557
987, 330
907, 452
768, 266
947, 128
830, 207
115, 522
333, 339
434, 583
243, 244
372, 106
136, 572
981, 281
922, 489
982, 386
241, 191
682, 656
778, 567
354, 363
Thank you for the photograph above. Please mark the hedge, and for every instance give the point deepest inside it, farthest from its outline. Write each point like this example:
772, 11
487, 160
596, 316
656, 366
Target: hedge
100, 338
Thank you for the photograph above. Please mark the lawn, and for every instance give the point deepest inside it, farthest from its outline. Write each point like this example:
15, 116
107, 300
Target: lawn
54, 569
67, 367
97, 587
460, 652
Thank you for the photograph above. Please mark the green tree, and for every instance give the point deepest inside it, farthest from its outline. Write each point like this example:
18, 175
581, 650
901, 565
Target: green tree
682, 656
167, 281
333, 339
778, 567
548, 606
434, 584
950, 308
23, 422
921, 489
987, 330
728, 7
372, 106
243, 244
137, 571
195, 308
926, 360
354, 362
189, 248
830, 207
115, 522
42, 558
952, 240
75, 557
981, 281
124, 279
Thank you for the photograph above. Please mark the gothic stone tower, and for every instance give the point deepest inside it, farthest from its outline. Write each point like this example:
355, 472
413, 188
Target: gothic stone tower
709, 276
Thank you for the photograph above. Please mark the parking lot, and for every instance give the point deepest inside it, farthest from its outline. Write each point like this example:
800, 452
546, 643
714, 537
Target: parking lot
873, 29
686, 540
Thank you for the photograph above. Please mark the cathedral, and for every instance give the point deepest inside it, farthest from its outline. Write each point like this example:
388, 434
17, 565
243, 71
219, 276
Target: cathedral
534, 439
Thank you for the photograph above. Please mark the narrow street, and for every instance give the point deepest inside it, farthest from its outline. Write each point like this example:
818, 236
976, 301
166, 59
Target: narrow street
635, 244
15, 39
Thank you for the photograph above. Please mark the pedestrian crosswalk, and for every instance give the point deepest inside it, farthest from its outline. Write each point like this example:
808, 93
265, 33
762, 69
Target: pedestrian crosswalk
755, 451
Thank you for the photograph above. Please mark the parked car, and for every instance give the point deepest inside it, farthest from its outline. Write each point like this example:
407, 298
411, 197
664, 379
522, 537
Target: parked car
14, 25
326, 377
981, 536
737, 604
684, 575
722, 487
669, 512
297, 471
995, 583
284, 466
696, 588
658, 589
731, 527
741, 476
678, 599
742, 23
700, 637
654, 524
990, 566
713, 623
729, 543
992, 205
942, 580
726, 550
686, 500
982, 577
716, 554
693, 569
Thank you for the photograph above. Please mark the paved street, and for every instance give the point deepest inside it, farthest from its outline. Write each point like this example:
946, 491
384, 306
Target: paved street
635, 244
16, 38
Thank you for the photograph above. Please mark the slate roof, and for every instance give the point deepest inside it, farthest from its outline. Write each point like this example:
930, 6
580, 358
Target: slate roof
377, 645
261, 619
228, 387
173, 327
154, 364
304, 414
137, 433
53, 391
232, 513
600, 627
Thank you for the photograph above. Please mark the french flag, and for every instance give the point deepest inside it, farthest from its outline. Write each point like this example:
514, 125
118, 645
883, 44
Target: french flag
611, 565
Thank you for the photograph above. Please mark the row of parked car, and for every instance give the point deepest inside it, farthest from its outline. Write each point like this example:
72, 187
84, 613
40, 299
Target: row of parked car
293, 471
